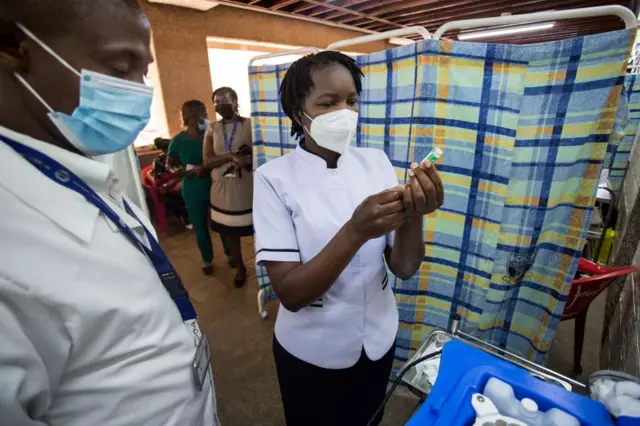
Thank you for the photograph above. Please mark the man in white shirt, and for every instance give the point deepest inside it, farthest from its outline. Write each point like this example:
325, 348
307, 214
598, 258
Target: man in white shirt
89, 335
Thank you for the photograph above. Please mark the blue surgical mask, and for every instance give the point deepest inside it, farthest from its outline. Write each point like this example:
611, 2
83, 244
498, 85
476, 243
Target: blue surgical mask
111, 112
203, 125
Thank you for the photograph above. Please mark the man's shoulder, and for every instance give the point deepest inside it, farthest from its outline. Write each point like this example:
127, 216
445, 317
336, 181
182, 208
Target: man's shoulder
30, 239
19, 217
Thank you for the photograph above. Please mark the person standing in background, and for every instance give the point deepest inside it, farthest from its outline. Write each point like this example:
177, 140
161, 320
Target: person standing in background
95, 327
228, 153
185, 158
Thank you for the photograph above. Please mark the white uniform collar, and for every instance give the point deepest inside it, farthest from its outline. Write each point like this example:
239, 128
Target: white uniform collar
67, 208
92, 172
316, 160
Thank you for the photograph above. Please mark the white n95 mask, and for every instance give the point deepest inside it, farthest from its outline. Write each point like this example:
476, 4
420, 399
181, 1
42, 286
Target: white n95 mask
111, 112
334, 130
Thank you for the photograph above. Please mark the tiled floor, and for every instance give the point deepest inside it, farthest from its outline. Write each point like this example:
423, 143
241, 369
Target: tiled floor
244, 373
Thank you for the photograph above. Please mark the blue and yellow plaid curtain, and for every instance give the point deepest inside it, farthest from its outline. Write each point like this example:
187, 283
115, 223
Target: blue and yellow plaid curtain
619, 125
271, 131
464, 98
524, 131
629, 120
571, 96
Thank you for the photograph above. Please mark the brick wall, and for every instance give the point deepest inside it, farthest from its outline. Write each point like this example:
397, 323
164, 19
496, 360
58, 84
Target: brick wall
621, 351
621, 337
180, 46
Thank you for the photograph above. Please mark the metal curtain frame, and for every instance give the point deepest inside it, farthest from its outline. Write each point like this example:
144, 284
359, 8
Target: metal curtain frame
261, 293
299, 51
132, 156
422, 31
623, 13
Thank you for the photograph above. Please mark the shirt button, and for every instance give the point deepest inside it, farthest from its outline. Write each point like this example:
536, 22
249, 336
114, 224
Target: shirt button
333, 172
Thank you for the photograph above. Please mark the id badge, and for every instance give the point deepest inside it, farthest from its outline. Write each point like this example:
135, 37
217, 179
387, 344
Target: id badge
201, 362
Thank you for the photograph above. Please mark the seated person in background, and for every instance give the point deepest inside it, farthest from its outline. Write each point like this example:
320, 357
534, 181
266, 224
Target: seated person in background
160, 162
169, 185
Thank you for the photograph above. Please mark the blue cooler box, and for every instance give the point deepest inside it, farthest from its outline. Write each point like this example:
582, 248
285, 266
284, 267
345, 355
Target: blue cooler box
464, 371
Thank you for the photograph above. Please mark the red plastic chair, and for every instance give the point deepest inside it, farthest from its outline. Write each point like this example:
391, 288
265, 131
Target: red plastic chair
149, 182
583, 291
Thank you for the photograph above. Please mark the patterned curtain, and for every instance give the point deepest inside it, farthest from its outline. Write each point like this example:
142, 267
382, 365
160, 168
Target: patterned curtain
628, 116
524, 130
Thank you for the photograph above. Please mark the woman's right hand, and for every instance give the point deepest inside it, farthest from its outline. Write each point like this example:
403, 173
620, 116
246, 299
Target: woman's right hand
378, 214
239, 161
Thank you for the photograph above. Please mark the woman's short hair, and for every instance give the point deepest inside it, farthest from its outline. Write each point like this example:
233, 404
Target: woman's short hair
297, 83
192, 106
230, 91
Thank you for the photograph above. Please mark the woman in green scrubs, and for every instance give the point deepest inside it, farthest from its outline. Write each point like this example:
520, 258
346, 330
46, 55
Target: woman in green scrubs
185, 154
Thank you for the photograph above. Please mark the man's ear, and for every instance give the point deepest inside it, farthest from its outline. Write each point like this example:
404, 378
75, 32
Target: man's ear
14, 54
16, 61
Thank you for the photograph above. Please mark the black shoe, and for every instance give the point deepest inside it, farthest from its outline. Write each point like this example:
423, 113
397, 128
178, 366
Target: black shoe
207, 270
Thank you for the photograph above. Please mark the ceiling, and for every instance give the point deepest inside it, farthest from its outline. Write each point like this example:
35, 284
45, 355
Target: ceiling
385, 15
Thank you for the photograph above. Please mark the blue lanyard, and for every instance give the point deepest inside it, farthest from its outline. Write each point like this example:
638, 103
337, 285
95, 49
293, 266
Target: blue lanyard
63, 176
229, 143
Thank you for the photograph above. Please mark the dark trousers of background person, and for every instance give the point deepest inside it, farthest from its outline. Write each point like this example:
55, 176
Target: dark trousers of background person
314, 396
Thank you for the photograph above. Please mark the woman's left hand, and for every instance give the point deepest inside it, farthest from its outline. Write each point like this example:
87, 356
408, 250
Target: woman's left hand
239, 161
423, 192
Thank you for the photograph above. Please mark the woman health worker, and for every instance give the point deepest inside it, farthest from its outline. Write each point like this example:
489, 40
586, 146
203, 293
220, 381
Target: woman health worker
186, 150
327, 217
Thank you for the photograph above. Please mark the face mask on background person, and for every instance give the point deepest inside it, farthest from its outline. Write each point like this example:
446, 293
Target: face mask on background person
225, 111
334, 130
202, 126
111, 112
